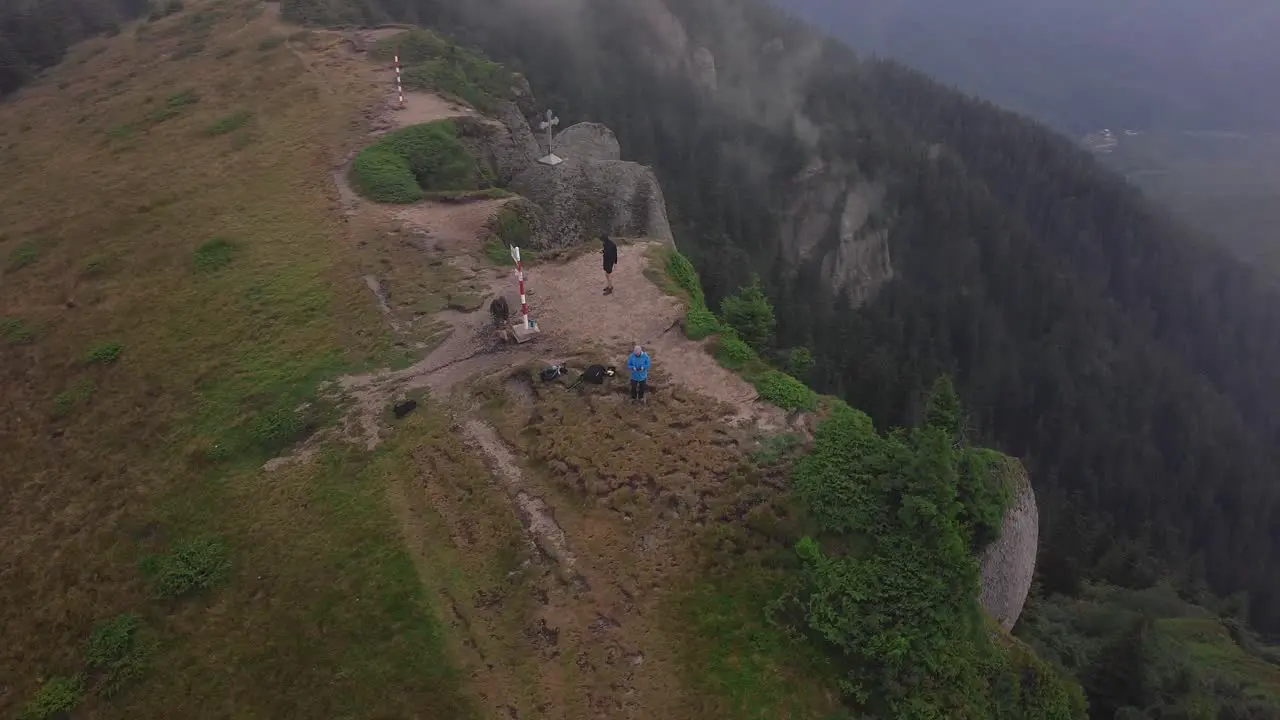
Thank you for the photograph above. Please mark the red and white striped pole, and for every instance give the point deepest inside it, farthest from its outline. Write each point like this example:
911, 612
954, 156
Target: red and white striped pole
399, 87
524, 302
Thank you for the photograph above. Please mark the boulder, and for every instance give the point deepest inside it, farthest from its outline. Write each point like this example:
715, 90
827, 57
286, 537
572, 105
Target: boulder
592, 192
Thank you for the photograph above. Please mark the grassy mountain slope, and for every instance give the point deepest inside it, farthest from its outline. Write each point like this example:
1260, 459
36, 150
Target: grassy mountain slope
174, 282
183, 281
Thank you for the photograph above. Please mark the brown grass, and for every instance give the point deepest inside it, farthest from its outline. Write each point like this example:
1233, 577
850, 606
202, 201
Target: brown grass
114, 181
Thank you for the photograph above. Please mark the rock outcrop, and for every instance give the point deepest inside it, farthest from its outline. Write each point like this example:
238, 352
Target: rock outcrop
592, 192
1009, 563
504, 143
831, 221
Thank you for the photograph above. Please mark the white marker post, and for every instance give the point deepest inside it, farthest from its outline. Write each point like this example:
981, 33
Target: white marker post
399, 87
526, 328
524, 302
550, 125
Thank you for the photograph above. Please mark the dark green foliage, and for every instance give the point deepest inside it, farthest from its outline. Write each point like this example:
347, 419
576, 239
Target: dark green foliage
105, 354
271, 43
799, 362
785, 391
58, 696
229, 123
117, 653
732, 353
699, 322
943, 409
686, 277
191, 566
213, 255
889, 585
15, 331
512, 228
750, 314
401, 165
277, 428
78, 394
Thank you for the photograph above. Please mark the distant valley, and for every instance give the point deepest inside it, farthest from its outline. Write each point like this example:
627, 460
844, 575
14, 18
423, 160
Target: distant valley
1225, 184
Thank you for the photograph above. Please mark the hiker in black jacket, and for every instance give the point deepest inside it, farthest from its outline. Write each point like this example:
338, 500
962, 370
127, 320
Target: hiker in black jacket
610, 251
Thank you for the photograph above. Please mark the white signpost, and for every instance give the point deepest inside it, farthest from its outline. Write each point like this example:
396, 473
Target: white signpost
526, 328
550, 126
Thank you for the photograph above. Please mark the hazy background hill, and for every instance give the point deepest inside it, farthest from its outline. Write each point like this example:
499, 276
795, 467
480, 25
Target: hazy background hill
1081, 66
1196, 78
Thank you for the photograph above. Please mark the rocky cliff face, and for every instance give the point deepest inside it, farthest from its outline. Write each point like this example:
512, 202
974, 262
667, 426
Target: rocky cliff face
832, 220
593, 191
1009, 563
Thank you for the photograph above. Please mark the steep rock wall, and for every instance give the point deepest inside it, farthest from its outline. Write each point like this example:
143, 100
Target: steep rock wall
1009, 563
830, 221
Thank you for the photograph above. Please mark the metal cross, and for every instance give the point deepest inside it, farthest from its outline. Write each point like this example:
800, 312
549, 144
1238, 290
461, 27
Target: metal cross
549, 125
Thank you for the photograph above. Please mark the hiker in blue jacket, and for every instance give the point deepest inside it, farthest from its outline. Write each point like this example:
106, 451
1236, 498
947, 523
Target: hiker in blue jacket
638, 364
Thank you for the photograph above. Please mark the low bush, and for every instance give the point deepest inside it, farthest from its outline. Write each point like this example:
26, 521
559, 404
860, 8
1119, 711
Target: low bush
15, 331
78, 394
214, 255
732, 353
57, 697
402, 165
686, 278
117, 654
105, 353
699, 322
191, 566
785, 391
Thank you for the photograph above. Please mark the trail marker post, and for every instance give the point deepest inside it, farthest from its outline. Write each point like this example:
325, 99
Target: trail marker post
550, 126
399, 86
526, 328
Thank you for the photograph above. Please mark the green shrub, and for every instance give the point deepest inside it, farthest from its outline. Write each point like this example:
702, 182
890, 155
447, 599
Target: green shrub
497, 252
23, 255
403, 164
700, 322
105, 353
191, 566
889, 584
732, 353
229, 123
785, 391
512, 228
750, 314
58, 696
214, 255
271, 43
276, 429
117, 653
15, 331
78, 394
685, 276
